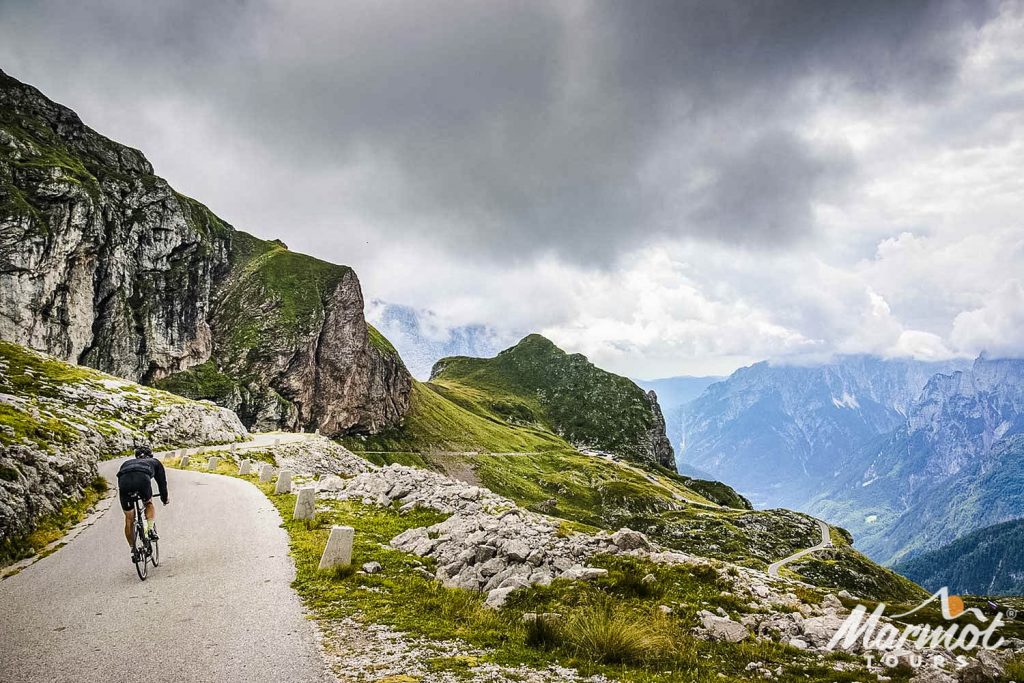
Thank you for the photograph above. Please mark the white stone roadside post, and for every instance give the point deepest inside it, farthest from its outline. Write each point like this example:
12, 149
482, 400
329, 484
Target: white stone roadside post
305, 503
183, 463
266, 473
245, 467
338, 552
284, 482
212, 463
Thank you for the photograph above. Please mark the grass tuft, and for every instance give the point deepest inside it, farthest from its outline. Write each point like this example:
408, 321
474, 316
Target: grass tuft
341, 572
609, 634
544, 632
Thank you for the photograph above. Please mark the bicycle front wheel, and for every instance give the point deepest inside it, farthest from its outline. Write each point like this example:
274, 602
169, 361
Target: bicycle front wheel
155, 545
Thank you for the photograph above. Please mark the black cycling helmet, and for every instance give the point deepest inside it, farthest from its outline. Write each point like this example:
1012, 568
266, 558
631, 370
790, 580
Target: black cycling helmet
143, 452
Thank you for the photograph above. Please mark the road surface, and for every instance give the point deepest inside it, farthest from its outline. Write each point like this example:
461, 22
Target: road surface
826, 541
218, 608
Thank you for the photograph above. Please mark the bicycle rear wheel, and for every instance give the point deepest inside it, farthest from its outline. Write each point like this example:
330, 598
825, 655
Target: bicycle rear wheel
141, 561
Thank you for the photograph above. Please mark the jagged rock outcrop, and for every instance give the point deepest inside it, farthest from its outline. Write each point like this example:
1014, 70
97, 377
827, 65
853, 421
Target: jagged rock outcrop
102, 263
661, 447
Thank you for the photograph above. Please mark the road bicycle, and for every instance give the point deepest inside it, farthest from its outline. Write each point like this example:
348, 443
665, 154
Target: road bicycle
145, 550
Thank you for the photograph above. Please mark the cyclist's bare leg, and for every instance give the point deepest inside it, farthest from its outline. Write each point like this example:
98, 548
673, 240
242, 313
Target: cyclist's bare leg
150, 510
129, 521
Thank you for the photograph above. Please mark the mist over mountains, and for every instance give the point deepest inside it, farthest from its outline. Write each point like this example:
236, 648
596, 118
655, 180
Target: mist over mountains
422, 338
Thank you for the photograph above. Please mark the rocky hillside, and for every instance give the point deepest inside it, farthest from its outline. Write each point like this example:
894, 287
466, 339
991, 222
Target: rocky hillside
989, 561
535, 383
57, 420
779, 434
102, 263
956, 465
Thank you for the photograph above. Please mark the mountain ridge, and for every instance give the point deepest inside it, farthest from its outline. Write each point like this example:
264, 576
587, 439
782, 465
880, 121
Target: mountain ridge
774, 431
145, 283
589, 407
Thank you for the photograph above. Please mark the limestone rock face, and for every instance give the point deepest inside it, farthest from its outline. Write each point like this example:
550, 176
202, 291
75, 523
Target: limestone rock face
661, 447
102, 263
722, 628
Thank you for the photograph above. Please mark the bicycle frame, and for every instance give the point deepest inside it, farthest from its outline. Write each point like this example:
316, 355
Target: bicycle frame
141, 540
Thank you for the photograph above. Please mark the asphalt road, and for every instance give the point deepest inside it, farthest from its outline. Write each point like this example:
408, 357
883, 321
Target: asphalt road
826, 541
218, 608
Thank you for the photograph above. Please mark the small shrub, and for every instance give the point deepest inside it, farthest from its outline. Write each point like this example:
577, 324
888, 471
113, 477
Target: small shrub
544, 632
1015, 669
341, 572
610, 635
631, 584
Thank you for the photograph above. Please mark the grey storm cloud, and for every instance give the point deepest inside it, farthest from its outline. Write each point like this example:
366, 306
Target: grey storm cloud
579, 129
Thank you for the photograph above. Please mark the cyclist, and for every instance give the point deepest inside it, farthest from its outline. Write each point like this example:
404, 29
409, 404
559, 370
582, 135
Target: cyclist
134, 478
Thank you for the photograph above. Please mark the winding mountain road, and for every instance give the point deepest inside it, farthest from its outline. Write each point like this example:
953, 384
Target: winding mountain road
218, 608
826, 541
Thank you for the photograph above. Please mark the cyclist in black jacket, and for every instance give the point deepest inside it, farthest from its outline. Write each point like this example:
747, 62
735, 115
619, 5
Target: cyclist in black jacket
134, 477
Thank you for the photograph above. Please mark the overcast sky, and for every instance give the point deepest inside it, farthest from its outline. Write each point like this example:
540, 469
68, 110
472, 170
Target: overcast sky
669, 187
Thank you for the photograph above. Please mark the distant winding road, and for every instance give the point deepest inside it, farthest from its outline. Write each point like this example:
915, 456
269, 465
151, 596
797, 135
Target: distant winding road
826, 541
218, 608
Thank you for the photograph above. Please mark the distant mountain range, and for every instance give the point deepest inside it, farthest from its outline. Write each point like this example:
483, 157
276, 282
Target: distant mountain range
422, 339
954, 466
907, 455
989, 561
779, 433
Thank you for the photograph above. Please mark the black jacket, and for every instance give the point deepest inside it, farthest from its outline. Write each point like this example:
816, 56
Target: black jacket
151, 467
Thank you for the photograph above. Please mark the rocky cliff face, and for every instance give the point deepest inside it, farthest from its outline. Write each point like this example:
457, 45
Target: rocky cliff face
102, 263
661, 447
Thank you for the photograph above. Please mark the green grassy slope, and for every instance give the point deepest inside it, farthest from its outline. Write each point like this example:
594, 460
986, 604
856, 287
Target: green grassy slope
451, 417
536, 383
487, 428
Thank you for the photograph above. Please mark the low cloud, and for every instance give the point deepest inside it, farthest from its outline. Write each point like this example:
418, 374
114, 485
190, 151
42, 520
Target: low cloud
667, 186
